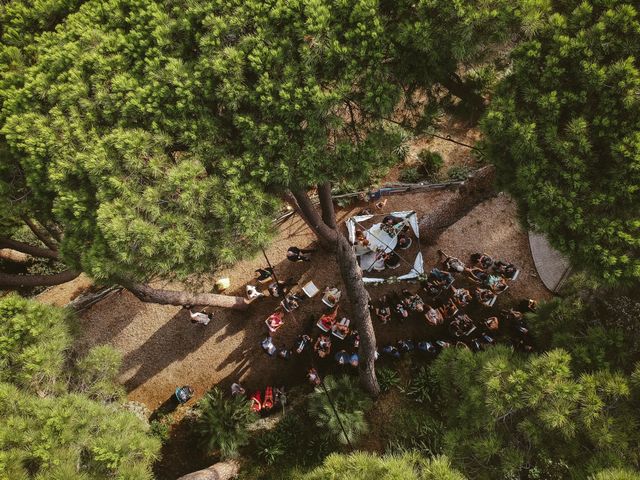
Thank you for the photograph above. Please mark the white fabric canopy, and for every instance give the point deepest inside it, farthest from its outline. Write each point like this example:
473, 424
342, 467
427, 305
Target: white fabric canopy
379, 239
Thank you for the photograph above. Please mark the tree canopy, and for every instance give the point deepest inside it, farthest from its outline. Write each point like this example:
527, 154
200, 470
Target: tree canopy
564, 132
63, 419
508, 416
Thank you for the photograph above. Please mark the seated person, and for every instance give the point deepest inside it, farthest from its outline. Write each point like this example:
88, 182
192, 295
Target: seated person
481, 260
391, 351
413, 301
268, 346
331, 296
280, 288
379, 265
342, 357
461, 296
353, 340
497, 284
264, 275
183, 394
361, 246
253, 293
433, 316
405, 346
404, 241
312, 376
433, 288
440, 276
461, 325
341, 328
449, 309
391, 260
390, 225
443, 344
275, 320
451, 263
383, 311
512, 316
328, 319
528, 305
323, 346
237, 389
291, 302
507, 270
302, 343
399, 307
492, 323
354, 360
484, 296
477, 274
284, 354
426, 347
295, 254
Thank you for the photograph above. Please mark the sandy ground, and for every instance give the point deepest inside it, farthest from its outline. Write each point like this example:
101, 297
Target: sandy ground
162, 349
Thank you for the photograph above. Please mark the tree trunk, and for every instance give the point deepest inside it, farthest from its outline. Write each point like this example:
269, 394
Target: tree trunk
181, 298
28, 249
11, 280
352, 279
219, 471
291, 200
326, 204
359, 300
44, 238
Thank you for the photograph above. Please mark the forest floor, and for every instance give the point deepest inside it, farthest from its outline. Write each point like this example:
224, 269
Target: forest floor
162, 349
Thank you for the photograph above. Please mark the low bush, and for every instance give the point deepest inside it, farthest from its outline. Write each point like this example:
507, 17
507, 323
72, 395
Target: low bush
420, 386
222, 422
430, 162
349, 401
388, 378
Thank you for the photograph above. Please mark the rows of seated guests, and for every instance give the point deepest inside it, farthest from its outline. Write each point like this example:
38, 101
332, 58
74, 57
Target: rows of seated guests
446, 300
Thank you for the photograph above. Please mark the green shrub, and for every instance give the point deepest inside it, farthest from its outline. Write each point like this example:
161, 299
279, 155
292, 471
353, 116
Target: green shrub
222, 422
33, 341
410, 175
414, 429
459, 172
271, 446
97, 374
350, 402
420, 386
388, 378
430, 162
161, 427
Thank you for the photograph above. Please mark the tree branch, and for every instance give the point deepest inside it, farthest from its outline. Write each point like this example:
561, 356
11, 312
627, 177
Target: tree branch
40, 234
180, 298
28, 249
326, 204
11, 280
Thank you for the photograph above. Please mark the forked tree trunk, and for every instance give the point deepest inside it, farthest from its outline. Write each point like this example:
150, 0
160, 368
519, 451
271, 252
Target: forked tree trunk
352, 279
219, 471
180, 298
12, 280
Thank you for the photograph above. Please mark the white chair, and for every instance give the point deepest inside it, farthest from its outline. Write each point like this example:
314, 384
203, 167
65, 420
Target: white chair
310, 289
344, 322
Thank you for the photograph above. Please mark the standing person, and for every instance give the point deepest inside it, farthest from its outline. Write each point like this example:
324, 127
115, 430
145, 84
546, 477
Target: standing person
295, 254
183, 394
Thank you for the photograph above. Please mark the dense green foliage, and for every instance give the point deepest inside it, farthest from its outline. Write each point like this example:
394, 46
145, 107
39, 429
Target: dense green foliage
51, 425
222, 422
597, 326
350, 403
365, 466
564, 132
506, 416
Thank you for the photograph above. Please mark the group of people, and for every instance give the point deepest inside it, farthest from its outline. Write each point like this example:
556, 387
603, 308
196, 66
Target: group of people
440, 302
385, 257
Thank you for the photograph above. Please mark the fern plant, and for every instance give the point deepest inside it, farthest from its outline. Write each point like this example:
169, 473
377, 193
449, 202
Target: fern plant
350, 404
222, 422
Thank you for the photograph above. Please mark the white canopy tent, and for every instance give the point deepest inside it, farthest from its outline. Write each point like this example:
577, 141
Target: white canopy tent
382, 241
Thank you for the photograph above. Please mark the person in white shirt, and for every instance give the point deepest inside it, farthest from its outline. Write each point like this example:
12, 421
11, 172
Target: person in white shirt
253, 293
202, 318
